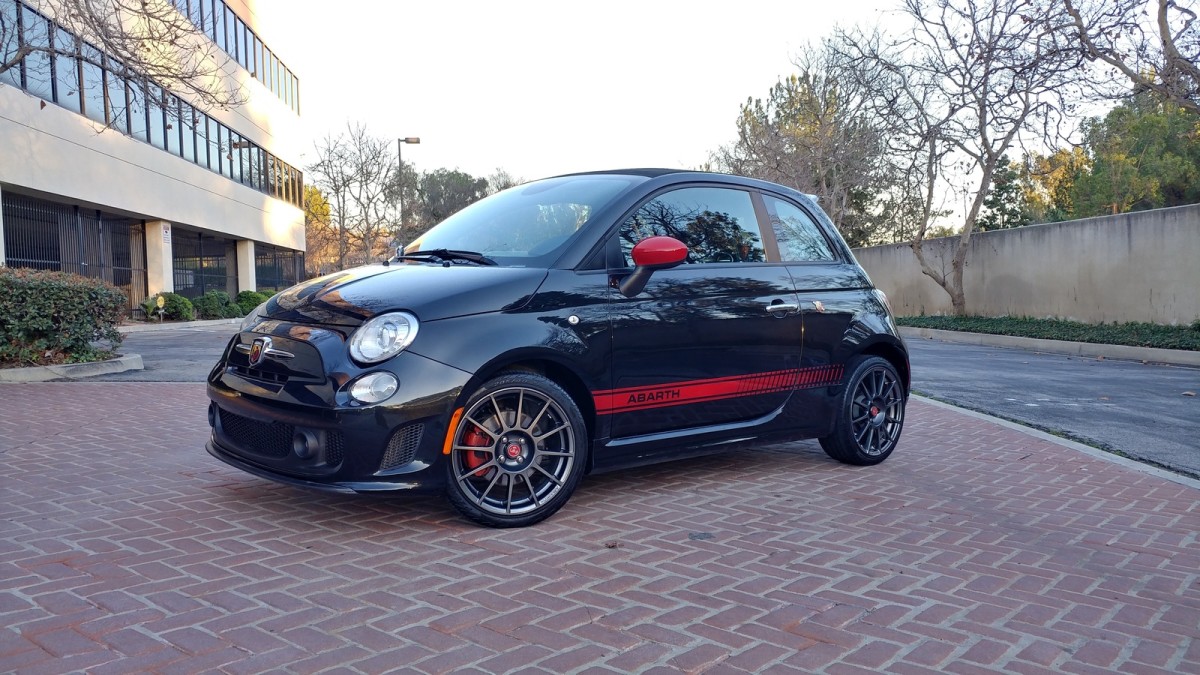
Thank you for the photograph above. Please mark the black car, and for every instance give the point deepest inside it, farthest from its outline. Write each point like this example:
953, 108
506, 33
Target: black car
570, 325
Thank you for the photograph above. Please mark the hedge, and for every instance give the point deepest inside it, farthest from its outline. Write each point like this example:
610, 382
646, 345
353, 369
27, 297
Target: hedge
53, 317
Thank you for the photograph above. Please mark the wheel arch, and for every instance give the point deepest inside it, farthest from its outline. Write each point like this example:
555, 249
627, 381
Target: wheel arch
894, 354
550, 368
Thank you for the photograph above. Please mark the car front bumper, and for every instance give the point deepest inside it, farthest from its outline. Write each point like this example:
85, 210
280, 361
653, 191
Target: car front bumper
299, 427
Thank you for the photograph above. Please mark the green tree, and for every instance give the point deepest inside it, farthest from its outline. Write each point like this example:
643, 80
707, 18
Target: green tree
1005, 206
1049, 183
1144, 154
443, 192
813, 132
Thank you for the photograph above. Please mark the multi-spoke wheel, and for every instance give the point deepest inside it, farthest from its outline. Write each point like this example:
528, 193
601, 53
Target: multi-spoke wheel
870, 413
518, 451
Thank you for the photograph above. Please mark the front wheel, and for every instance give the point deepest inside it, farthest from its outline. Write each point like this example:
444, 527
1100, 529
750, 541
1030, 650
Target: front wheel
870, 414
518, 451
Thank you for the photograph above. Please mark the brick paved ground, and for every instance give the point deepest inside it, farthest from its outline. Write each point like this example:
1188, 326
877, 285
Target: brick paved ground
125, 547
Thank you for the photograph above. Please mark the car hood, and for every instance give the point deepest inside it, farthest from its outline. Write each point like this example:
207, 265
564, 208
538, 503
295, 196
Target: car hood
429, 291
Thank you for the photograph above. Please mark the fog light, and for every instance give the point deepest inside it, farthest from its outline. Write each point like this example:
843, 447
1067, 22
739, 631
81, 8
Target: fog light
305, 444
374, 387
212, 415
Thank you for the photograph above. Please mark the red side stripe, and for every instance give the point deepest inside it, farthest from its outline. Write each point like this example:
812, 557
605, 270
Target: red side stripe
649, 397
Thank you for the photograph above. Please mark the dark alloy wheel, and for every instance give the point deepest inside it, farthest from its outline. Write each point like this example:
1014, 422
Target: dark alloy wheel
870, 414
518, 452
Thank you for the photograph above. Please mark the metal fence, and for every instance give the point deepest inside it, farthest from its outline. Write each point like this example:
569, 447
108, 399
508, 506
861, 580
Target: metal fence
50, 236
277, 268
203, 262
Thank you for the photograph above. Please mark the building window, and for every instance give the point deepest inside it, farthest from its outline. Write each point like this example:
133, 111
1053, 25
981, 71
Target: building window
116, 102
86, 81
93, 85
38, 66
137, 111
66, 71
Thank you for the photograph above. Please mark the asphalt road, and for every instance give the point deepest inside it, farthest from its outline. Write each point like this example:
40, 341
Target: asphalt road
1135, 409
1139, 410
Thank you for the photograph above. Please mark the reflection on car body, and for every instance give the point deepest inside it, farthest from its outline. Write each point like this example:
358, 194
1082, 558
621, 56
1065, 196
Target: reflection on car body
571, 325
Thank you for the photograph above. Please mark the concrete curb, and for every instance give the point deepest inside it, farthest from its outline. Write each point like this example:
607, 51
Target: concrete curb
1176, 357
174, 325
72, 371
1126, 462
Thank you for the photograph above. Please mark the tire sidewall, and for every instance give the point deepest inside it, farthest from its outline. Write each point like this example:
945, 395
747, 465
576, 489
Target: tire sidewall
841, 444
462, 501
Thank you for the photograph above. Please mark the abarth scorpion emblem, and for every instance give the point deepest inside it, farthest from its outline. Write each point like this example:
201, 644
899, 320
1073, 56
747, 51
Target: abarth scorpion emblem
258, 350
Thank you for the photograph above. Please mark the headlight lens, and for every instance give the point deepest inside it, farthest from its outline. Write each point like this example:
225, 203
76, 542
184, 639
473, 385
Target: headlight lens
374, 387
252, 317
383, 337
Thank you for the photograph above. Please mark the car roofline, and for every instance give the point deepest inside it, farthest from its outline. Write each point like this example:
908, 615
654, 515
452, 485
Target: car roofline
696, 174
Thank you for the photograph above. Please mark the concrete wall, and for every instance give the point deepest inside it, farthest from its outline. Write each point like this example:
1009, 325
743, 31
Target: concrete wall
1141, 266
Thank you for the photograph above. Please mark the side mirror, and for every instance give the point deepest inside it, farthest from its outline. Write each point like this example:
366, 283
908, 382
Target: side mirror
649, 255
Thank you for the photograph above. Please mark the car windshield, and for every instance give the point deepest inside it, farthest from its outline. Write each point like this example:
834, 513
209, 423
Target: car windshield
528, 225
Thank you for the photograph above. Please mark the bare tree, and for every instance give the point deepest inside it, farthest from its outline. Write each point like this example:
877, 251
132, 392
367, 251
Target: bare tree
150, 43
501, 180
973, 79
331, 174
1153, 44
320, 237
357, 173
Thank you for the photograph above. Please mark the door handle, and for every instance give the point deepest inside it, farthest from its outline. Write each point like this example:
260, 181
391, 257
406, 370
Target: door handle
782, 308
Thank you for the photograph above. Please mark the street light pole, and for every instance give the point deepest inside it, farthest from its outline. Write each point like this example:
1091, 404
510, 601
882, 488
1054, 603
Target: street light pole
412, 140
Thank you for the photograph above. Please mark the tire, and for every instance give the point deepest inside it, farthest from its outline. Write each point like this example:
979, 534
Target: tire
870, 413
518, 452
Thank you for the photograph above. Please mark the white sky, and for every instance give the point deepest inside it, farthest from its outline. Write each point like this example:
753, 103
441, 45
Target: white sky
543, 88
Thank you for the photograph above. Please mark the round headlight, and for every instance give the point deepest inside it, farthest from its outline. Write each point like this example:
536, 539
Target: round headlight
383, 337
374, 387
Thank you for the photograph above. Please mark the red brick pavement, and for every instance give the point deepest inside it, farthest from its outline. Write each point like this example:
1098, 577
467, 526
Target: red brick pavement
976, 548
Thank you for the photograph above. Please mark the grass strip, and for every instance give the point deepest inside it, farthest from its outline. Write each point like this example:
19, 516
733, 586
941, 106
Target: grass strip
1129, 334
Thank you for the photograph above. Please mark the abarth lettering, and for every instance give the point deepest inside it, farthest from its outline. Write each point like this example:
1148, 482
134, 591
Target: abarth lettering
653, 396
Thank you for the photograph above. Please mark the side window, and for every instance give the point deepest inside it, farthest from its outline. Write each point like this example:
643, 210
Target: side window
718, 225
799, 238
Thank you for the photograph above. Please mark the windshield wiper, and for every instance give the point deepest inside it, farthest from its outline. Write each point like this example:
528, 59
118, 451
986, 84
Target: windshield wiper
446, 255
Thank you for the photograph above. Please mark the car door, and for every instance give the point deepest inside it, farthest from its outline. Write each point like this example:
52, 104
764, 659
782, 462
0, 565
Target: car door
831, 290
710, 345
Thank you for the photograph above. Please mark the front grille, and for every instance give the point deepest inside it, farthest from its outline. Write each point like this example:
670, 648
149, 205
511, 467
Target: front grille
333, 448
266, 379
272, 439
402, 447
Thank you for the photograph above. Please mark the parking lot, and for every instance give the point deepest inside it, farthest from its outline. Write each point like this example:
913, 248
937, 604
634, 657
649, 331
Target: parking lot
976, 547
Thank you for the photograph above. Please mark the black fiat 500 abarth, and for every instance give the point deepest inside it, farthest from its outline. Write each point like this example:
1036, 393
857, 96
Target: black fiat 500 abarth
569, 325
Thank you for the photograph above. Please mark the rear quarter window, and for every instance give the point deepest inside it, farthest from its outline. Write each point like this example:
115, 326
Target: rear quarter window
800, 238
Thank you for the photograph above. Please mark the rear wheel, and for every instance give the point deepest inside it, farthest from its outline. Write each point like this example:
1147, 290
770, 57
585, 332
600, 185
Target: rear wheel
870, 413
518, 452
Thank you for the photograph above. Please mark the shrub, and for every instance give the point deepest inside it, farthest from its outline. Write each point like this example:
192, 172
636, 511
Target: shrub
54, 317
248, 300
211, 304
217, 305
175, 307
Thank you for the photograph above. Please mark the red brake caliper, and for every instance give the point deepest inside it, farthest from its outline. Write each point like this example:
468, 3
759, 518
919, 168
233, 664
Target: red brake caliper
473, 458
